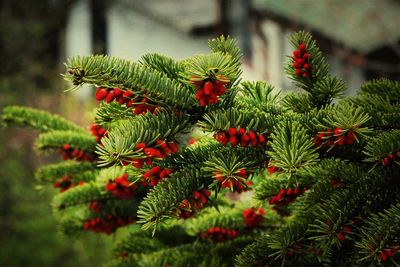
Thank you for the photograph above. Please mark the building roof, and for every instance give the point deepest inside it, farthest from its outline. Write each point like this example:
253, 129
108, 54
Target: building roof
362, 25
180, 14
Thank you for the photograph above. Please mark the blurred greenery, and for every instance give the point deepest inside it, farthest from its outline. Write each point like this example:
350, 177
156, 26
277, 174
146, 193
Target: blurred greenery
30, 36
28, 230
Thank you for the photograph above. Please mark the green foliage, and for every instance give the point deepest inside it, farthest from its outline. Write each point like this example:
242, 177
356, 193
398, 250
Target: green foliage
112, 112
291, 147
163, 64
382, 145
380, 232
260, 95
49, 173
233, 117
253, 253
214, 66
163, 200
114, 72
211, 217
228, 46
319, 65
37, 119
56, 139
389, 88
121, 141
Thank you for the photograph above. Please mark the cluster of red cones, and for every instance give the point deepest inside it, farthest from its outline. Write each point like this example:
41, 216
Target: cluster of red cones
240, 137
140, 104
193, 203
286, 196
160, 149
390, 158
98, 132
341, 235
67, 152
337, 136
106, 225
65, 183
208, 90
155, 174
388, 253
301, 61
120, 187
218, 234
253, 217
236, 181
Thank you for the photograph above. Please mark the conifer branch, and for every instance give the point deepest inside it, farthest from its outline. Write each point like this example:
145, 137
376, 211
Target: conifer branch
348, 117
387, 87
224, 217
80, 195
260, 95
228, 46
136, 243
48, 173
298, 102
216, 66
292, 149
163, 64
56, 139
37, 119
317, 62
379, 234
346, 204
114, 72
382, 145
120, 143
163, 200
253, 254
234, 117
112, 112
194, 155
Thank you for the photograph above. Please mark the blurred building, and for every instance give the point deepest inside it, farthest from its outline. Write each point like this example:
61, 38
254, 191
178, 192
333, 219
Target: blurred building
361, 38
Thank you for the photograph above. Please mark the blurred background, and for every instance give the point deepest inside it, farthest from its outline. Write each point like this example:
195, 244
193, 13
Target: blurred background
361, 39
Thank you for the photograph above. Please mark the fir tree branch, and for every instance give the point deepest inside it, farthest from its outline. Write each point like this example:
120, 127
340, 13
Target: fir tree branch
80, 195
138, 243
260, 95
120, 143
194, 155
292, 149
224, 217
163, 64
271, 186
380, 232
112, 112
37, 119
216, 66
382, 145
298, 102
253, 254
383, 87
318, 63
56, 139
234, 117
48, 173
163, 200
114, 72
228, 46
